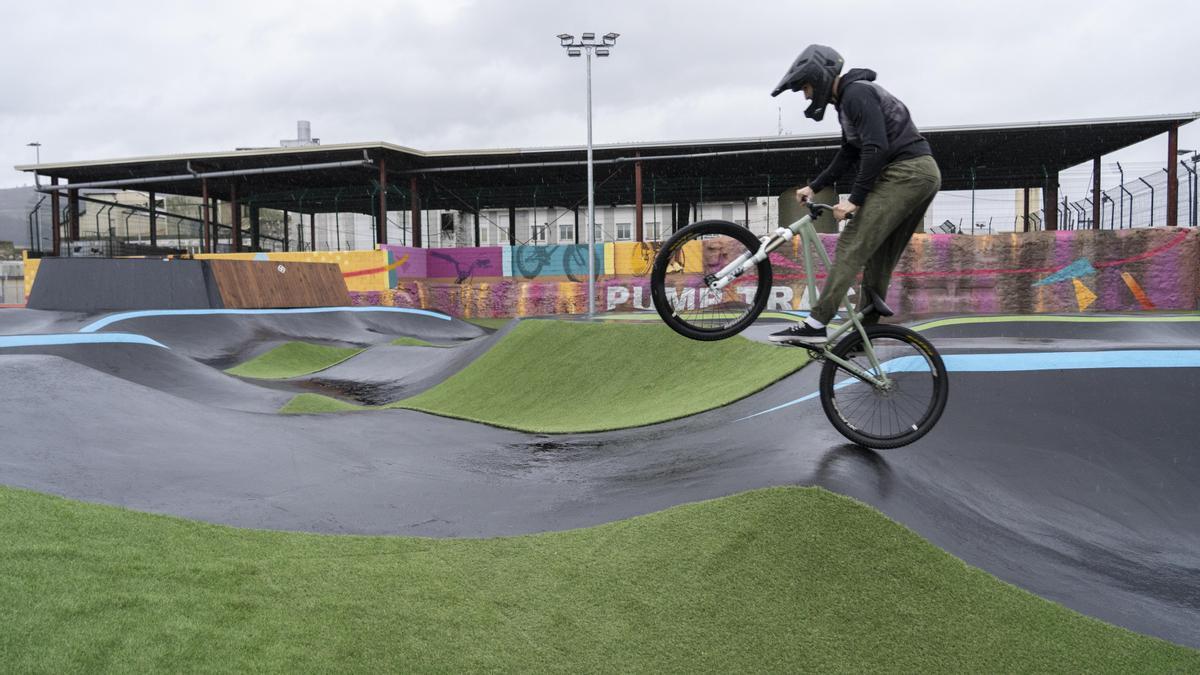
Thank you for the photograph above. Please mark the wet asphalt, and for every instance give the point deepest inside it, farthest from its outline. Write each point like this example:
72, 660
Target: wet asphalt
1080, 485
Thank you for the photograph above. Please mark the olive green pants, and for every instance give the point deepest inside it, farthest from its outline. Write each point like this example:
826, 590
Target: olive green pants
875, 238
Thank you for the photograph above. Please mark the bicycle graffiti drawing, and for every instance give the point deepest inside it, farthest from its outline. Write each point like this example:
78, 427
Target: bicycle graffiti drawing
461, 275
569, 260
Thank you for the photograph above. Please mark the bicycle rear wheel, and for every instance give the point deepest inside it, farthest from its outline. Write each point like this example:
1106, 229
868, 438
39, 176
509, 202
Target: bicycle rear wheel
885, 418
681, 293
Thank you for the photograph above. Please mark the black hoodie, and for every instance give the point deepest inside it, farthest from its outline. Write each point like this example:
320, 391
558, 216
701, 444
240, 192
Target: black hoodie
876, 131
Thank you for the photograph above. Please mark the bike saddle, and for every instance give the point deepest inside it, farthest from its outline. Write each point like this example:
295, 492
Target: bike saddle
877, 304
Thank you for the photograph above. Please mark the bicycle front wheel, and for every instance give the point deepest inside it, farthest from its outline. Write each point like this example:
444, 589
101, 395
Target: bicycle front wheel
902, 412
683, 268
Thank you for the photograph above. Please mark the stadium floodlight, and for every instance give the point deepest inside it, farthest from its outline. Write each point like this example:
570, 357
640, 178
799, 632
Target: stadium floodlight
37, 148
588, 44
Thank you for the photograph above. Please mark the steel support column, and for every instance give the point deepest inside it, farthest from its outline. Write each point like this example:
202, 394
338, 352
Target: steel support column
151, 203
73, 215
235, 219
637, 181
286, 233
312, 230
1025, 214
415, 206
683, 216
255, 229
1173, 176
576, 212
1096, 193
476, 240
205, 219
216, 220
1050, 203
512, 226
55, 220
381, 225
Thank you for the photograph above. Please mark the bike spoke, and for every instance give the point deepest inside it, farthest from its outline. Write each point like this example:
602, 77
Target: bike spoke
886, 413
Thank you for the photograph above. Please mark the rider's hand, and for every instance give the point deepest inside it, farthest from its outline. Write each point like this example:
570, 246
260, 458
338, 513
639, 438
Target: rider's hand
843, 209
804, 194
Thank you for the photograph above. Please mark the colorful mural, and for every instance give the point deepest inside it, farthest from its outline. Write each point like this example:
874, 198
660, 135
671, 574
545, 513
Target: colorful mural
1038, 272
1067, 271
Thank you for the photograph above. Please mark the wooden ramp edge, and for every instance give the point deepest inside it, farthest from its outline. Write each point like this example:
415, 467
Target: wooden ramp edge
253, 284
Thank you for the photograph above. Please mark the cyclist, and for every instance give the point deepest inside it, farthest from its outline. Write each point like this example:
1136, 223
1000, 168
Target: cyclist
896, 180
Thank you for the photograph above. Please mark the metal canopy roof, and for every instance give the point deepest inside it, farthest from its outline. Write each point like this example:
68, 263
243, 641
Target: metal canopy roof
1000, 156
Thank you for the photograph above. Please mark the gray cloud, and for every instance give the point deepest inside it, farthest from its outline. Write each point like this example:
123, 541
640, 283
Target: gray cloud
129, 78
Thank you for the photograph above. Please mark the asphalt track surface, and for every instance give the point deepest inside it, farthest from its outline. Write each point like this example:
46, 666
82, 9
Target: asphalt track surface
1081, 485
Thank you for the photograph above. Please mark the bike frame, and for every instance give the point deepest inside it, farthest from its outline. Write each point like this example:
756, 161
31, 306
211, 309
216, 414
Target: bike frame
809, 241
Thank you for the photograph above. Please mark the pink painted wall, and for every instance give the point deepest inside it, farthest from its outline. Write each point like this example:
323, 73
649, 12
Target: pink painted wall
1066, 271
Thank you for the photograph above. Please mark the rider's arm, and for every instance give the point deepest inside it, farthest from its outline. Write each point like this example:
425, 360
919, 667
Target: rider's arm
865, 112
846, 157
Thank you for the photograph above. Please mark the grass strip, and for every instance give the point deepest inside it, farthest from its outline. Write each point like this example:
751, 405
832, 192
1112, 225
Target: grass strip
292, 359
414, 342
489, 323
569, 376
312, 404
782, 580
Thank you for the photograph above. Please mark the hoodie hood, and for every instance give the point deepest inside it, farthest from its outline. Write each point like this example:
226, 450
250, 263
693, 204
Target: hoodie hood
854, 75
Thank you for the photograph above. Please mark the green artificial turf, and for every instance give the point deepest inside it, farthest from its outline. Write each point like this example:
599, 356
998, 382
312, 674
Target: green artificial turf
413, 342
291, 360
780, 580
307, 404
492, 324
569, 376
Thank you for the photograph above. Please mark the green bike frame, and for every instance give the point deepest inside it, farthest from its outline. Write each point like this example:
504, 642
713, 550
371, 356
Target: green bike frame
809, 241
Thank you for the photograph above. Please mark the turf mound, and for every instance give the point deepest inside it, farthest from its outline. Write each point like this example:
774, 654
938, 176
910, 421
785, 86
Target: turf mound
412, 342
565, 376
783, 579
292, 360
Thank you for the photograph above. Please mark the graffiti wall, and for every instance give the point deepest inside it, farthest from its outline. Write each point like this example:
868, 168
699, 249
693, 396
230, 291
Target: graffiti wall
1067, 271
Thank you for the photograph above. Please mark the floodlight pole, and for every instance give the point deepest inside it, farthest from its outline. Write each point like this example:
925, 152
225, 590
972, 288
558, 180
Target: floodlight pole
591, 238
587, 44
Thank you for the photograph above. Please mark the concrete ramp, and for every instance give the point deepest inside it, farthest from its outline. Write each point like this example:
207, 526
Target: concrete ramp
101, 284
97, 284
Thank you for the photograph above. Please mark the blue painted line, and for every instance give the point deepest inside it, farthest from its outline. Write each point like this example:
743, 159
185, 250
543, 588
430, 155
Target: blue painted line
1020, 362
53, 339
109, 320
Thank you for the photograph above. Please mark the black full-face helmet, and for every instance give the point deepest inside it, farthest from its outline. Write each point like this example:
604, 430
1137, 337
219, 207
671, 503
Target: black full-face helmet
819, 66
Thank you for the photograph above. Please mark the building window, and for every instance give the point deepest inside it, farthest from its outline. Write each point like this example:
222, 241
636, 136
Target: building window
727, 212
566, 231
539, 233
624, 231
485, 228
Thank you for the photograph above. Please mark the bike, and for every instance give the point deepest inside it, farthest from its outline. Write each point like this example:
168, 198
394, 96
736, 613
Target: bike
882, 386
530, 259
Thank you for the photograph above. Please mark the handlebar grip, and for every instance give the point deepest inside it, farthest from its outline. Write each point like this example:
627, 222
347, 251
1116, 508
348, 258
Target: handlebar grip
815, 209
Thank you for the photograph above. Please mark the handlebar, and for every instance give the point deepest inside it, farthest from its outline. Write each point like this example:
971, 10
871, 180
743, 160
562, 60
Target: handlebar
815, 209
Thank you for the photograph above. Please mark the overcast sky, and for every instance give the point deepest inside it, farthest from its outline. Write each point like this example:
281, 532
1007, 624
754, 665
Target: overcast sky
129, 78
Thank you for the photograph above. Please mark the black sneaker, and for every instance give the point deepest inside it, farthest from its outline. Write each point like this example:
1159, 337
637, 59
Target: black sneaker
802, 333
